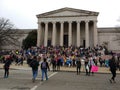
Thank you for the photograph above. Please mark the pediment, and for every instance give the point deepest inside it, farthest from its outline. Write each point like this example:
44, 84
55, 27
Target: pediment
67, 12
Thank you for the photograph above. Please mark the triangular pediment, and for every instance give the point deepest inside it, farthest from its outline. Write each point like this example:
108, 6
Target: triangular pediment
68, 12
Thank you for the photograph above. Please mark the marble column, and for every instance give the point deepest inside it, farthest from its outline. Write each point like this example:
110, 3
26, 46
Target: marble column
61, 33
95, 33
78, 33
86, 34
46, 34
39, 34
70, 34
54, 34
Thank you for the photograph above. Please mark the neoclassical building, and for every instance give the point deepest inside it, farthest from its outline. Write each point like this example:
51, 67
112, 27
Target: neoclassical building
68, 26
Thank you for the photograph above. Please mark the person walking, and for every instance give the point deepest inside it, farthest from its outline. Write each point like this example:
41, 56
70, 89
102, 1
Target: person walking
113, 68
44, 68
78, 65
6, 66
34, 64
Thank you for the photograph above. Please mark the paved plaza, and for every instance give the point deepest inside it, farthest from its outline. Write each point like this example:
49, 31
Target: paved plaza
71, 81
21, 79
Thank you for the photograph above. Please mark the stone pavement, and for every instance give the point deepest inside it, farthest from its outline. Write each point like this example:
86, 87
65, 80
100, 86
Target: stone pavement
69, 69
72, 81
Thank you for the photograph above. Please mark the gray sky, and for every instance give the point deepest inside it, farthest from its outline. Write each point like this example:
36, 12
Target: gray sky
22, 13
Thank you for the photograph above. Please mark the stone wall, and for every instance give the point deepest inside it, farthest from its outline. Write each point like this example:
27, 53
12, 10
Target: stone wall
109, 37
21, 34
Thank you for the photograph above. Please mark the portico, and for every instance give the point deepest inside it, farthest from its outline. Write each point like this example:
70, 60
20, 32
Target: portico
67, 26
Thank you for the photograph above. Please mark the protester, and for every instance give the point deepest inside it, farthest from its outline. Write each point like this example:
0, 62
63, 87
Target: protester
44, 68
53, 62
86, 65
113, 68
34, 64
78, 65
90, 63
58, 63
100, 61
61, 56
7, 63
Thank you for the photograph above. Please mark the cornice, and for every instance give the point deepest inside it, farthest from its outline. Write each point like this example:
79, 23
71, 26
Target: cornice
65, 16
109, 30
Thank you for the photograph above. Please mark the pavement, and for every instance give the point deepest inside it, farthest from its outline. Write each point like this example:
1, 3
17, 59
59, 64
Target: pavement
66, 79
68, 69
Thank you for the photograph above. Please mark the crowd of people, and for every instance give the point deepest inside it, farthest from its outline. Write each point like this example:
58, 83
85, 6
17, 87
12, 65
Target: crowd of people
58, 57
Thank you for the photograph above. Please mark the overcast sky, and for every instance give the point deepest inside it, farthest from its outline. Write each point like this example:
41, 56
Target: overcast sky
22, 13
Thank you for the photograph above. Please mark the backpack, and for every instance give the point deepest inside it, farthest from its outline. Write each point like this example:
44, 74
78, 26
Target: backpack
44, 65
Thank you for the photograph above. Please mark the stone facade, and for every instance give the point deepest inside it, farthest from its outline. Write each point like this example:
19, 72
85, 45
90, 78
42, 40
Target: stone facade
66, 27
109, 37
20, 34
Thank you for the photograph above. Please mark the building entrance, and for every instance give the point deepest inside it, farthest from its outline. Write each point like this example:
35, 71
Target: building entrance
66, 40
84, 43
49, 43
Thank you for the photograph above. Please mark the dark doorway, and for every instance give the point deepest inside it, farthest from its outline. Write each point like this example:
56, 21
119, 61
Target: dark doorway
84, 43
49, 43
66, 40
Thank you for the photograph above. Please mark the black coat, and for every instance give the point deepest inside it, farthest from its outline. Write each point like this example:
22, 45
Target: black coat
112, 64
7, 63
34, 64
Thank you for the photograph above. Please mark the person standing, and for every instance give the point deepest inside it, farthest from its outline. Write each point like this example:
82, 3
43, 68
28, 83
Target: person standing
44, 68
34, 64
58, 63
78, 65
6, 66
86, 65
90, 63
53, 62
113, 68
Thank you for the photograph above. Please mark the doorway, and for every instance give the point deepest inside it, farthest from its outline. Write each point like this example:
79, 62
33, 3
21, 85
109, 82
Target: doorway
49, 43
66, 40
84, 43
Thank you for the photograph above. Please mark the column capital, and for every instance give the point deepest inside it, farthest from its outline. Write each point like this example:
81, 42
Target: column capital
70, 21
78, 21
46, 22
39, 22
87, 21
95, 21
54, 22
61, 21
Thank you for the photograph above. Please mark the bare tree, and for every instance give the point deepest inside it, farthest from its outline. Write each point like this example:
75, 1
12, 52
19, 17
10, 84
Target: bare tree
7, 30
